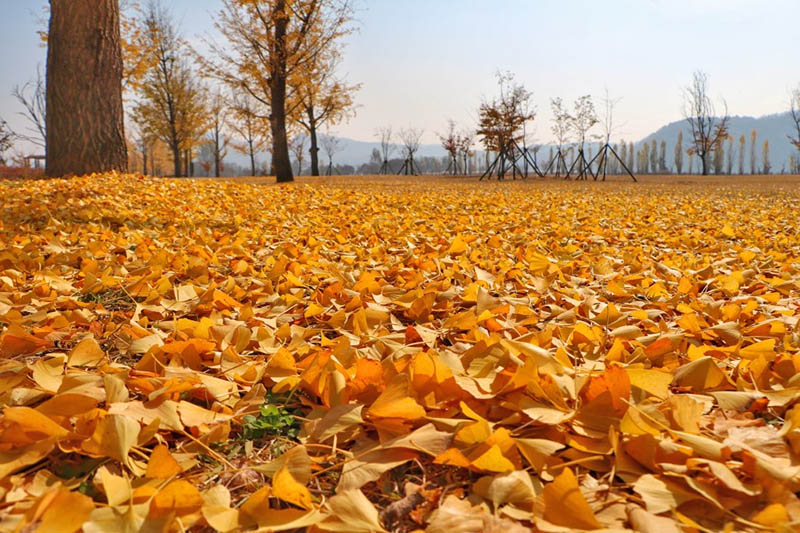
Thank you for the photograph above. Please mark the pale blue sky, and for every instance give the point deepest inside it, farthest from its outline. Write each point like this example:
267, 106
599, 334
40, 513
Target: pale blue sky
424, 61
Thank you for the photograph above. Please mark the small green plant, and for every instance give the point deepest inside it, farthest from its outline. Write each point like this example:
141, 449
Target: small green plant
272, 420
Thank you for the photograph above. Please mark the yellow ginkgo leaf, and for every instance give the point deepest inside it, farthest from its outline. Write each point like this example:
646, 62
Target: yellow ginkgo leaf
396, 402
162, 465
564, 504
285, 487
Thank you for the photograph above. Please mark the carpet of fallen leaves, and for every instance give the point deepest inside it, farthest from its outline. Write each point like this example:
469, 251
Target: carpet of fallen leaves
370, 355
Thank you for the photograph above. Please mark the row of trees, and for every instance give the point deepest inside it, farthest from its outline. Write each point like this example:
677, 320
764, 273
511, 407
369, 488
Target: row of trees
276, 78
273, 74
502, 123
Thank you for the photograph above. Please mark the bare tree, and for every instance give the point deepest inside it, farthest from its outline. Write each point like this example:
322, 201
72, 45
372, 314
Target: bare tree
465, 141
216, 139
581, 122
32, 96
251, 128
560, 129
794, 106
410, 137
384, 135
707, 128
143, 143
298, 145
450, 143
6, 140
607, 125
331, 145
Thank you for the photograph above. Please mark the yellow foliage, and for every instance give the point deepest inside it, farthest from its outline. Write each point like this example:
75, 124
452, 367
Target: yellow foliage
208, 354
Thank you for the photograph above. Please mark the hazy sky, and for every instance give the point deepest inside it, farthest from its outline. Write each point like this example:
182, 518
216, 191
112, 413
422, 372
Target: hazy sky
422, 62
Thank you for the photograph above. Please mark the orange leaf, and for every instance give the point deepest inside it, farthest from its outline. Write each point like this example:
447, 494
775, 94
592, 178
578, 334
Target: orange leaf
564, 504
162, 464
179, 497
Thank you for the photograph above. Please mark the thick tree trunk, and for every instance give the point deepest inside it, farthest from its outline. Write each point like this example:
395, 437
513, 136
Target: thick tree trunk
281, 164
176, 160
704, 163
84, 89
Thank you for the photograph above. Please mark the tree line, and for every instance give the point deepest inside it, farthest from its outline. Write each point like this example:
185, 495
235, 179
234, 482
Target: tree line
271, 76
503, 121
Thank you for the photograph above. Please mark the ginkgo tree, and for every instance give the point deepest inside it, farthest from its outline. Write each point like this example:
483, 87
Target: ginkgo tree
251, 128
171, 100
84, 117
324, 98
273, 47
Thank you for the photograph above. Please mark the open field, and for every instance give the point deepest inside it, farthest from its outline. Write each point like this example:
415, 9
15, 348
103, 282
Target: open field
400, 354
665, 179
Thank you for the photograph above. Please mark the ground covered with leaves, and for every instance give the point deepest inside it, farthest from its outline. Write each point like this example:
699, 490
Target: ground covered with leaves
358, 356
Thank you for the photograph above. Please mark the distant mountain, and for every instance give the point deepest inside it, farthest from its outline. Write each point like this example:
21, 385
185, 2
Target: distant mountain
773, 128
355, 152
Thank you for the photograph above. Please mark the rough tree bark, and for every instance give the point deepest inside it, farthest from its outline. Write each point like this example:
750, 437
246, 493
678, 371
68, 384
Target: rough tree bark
84, 89
314, 148
281, 164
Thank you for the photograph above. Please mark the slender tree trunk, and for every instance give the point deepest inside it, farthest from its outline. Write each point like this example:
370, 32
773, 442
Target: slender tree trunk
216, 161
704, 164
252, 157
187, 155
84, 89
144, 159
314, 150
281, 164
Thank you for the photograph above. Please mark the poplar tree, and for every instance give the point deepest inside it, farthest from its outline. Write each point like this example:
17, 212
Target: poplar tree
653, 157
630, 155
753, 160
679, 153
729, 162
766, 166
719, 157
742, 143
